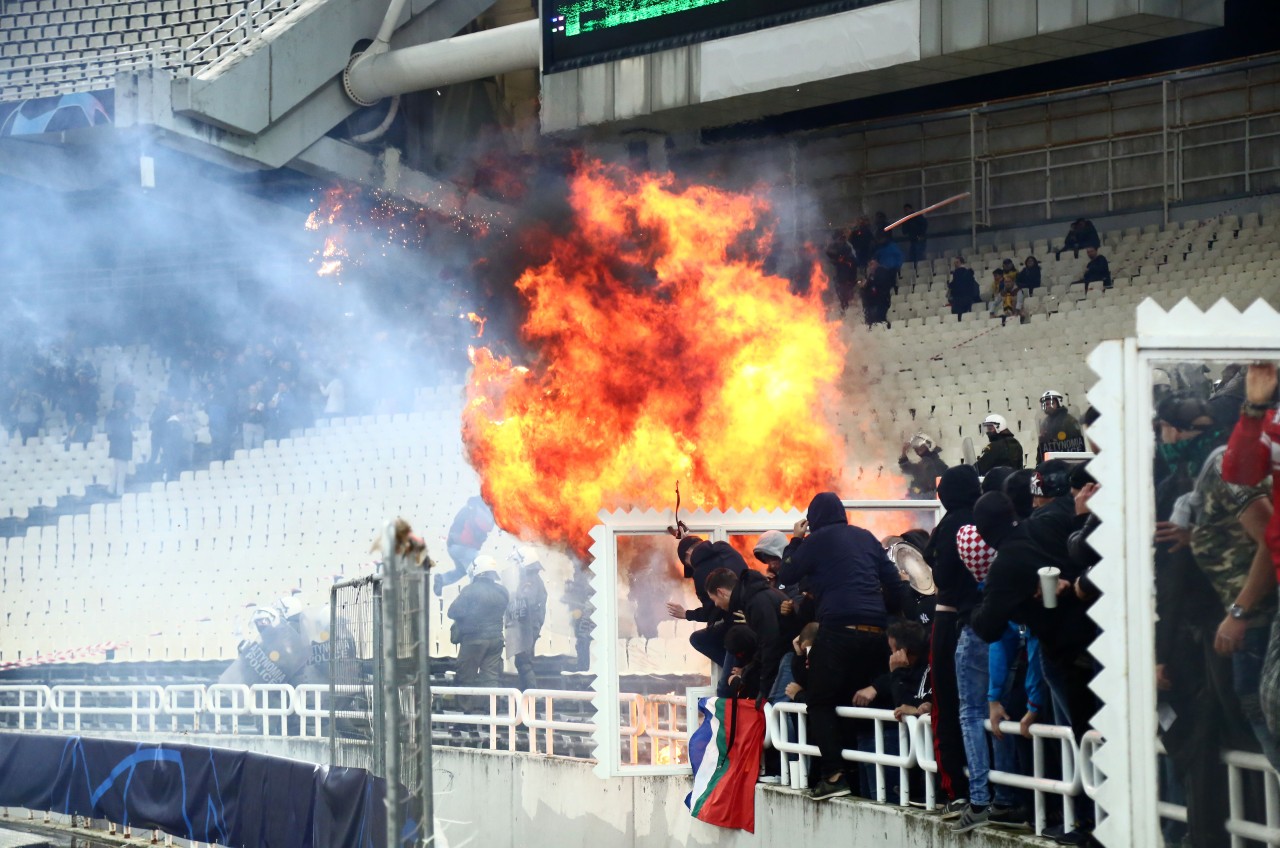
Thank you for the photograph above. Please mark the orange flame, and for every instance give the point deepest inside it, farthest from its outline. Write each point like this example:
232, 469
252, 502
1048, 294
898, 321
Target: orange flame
666, 354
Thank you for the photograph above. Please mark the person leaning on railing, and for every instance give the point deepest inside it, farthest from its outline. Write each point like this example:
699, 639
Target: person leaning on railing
856, 586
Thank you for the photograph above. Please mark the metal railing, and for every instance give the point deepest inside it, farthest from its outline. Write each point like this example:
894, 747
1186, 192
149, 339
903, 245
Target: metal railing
303, 712
282, 711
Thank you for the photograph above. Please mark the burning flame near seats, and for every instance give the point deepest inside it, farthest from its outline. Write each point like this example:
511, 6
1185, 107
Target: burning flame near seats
669, 755
665, 353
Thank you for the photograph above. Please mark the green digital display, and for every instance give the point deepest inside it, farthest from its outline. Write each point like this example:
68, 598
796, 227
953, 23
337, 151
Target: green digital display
583, 32
592, 15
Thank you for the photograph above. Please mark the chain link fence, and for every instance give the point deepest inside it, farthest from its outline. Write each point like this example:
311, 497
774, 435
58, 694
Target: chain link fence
380, 687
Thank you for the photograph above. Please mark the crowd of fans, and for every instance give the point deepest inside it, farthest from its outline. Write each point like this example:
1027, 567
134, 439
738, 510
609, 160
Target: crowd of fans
840, 618
866, 262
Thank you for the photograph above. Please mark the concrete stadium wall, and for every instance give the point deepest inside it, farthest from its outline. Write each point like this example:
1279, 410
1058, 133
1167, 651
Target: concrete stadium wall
495, 798
501, 799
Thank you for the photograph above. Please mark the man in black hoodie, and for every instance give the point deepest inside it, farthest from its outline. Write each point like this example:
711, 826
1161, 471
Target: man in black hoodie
958, 490
750, 594
700, 558
855, 586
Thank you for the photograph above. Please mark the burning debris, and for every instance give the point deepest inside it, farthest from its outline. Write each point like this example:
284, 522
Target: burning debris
664, 351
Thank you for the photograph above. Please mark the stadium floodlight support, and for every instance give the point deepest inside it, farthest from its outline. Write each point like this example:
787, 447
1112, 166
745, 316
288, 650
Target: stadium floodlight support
381, 72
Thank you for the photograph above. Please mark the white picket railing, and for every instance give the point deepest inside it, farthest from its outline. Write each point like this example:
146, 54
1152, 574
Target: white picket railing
303, 712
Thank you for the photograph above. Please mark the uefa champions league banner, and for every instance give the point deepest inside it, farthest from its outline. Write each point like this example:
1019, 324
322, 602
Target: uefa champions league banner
212, 795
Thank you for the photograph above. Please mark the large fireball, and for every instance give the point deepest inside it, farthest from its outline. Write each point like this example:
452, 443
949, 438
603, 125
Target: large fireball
665, 353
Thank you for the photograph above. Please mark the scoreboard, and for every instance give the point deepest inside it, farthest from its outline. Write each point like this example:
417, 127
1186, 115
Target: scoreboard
585, 32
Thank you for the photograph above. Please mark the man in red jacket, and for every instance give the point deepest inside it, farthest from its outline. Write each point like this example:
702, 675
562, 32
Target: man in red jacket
1252, 453
1254, 449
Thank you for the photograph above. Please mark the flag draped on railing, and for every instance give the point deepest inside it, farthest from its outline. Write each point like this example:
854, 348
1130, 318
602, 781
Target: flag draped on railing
725, 754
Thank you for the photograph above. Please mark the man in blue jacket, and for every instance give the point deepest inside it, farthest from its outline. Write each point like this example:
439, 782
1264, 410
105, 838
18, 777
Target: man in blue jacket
855, 586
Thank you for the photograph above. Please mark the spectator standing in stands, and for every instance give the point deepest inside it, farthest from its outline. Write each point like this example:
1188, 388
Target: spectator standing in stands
1003, 448
877, 293
27, 413
1097, 271
862, 239
335, 397
856, 586
889, 258
972, 681
119, 426
916, 232
1015, 692
254, 418
477, 615
80, 432
1029, 276
842, 256
880, 221
1081, 236
958, 490
1059, 430
471, 527
525, 615
924, 471
962, 288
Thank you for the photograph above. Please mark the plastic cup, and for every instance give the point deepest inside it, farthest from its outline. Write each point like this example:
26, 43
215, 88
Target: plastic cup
1049, 586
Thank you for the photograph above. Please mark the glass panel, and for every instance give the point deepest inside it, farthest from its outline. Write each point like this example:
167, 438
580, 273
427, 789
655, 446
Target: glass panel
893, 522
1210, 555
656, 661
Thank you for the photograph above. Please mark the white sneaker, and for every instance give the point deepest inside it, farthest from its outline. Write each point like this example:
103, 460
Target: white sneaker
770, 779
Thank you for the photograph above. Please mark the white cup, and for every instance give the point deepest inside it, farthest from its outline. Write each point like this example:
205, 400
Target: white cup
1049, 586
797, 776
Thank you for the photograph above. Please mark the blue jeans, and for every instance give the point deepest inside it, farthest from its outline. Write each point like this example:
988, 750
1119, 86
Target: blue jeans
779, 696
971, 679
462, 557
1246, 674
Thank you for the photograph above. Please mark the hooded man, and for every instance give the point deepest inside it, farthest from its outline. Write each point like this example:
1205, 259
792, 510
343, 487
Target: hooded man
1003, 447
699, 558
958, 490
1053, 514
855, 586
477, 615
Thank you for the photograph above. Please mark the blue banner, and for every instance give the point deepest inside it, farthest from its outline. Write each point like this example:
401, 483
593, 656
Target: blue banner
234, 798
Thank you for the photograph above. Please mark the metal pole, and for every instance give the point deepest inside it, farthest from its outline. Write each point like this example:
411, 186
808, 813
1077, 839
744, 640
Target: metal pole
390, 692
973, 182
424, 713
379, 675
1164, 144
333, 676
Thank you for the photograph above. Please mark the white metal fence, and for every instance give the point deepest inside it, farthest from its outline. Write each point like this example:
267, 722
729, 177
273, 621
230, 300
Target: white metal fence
303, 712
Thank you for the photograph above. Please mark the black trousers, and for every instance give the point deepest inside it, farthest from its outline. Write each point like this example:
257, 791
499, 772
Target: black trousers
841, 662
948, 744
